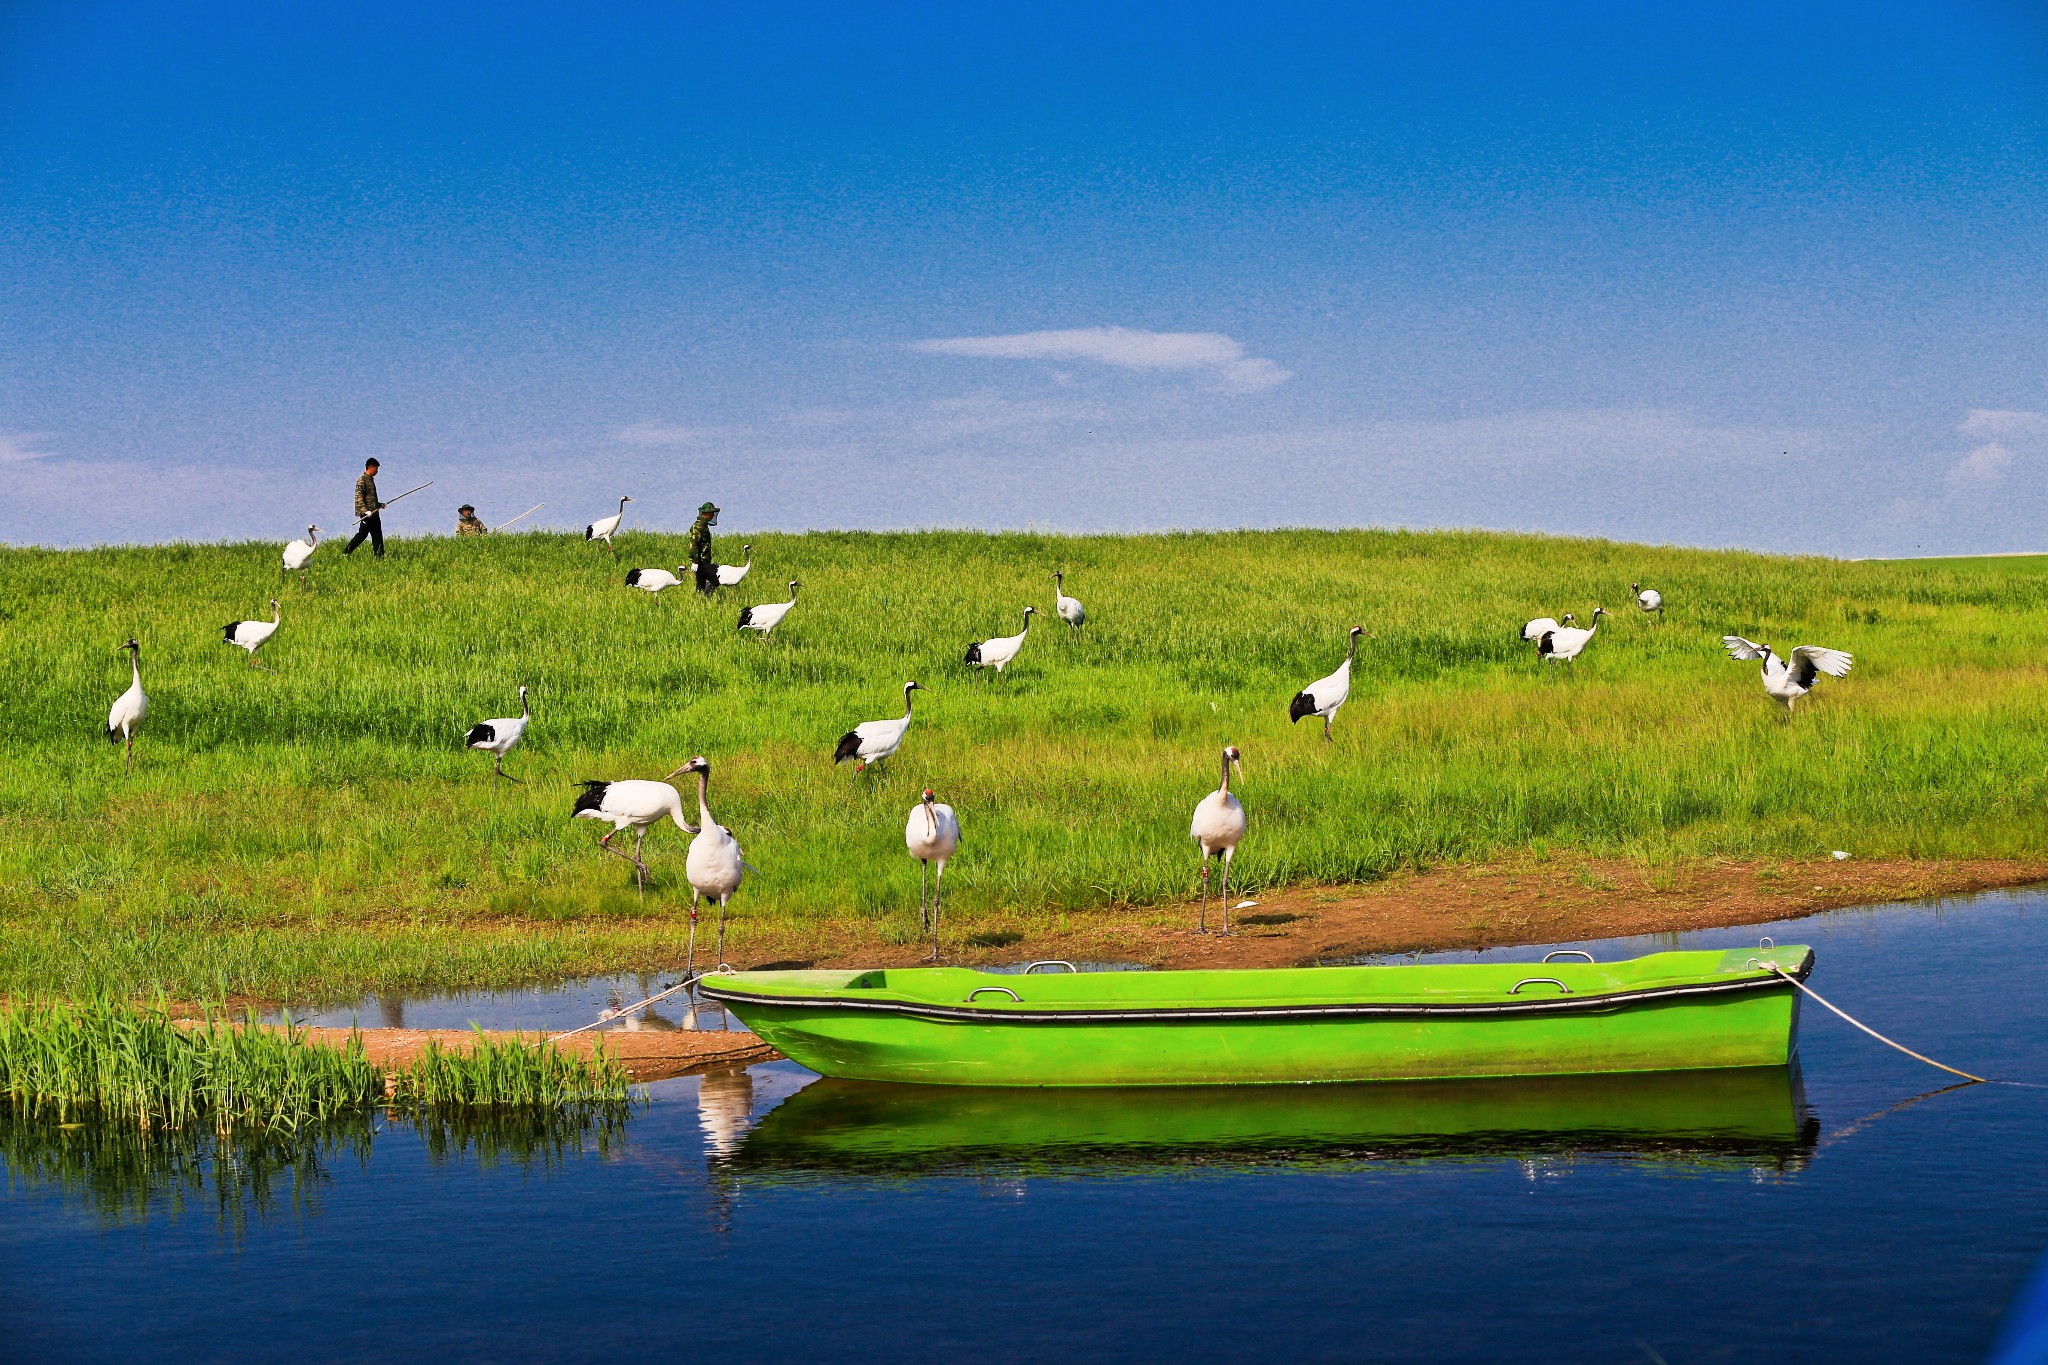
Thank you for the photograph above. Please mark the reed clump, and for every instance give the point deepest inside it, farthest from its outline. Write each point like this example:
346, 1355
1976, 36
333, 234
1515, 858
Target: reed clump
113, 1061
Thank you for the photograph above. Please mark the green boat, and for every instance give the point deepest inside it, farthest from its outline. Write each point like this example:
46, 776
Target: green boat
955, 1026
1741, 1116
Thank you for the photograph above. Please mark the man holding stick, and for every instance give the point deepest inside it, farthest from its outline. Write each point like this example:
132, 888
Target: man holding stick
368, 511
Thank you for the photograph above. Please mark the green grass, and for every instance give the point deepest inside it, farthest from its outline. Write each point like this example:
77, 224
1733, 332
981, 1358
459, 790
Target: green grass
118, 1063
318, 830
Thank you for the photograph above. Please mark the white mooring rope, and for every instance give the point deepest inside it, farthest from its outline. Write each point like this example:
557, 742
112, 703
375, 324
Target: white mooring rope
1774, 967
622, 1012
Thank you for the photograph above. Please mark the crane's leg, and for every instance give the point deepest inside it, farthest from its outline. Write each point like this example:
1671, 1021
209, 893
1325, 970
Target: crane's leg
606, 844
1226, 890
1326, 727
721, 929
130, 737
924, 919
938, 890
691, 968
639, 867
1202, 924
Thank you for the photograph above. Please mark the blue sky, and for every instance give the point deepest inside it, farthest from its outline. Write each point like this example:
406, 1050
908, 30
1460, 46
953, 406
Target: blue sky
1721, 274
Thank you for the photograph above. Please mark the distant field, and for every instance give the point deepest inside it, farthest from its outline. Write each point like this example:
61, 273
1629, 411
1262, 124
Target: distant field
318, 829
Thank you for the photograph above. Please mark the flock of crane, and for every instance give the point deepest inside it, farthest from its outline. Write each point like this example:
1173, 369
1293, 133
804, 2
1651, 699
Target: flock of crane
715, 866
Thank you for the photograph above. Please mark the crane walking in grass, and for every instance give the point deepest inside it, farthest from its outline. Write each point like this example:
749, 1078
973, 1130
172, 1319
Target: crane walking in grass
715, 866
633, 804
498, 736
871, 741
1218, 827
1068, 609
253, 635
1566, 643
604, 528
1649, 599
126, 715
932, 834
1534, 632
768, 615
654, 580
732, 575
1788, 682
1000, 652
298, 552
1323, 696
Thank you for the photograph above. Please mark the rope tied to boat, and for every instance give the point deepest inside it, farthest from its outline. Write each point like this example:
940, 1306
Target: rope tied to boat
613, 1016
1846, 1016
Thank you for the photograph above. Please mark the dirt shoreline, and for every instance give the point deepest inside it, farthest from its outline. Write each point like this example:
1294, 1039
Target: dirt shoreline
647, 1054
1493, 905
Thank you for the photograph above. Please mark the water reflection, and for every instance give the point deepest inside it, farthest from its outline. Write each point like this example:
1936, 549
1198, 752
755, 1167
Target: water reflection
125, 1173
1752, 1117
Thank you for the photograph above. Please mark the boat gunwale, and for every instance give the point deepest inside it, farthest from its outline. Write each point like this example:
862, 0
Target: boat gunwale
1768, 980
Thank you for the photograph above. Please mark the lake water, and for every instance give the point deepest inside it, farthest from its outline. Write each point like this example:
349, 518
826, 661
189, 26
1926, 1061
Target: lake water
1820, 1214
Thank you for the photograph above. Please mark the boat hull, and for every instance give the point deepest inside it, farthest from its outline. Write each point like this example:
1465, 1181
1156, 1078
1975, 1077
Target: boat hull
1060, 1033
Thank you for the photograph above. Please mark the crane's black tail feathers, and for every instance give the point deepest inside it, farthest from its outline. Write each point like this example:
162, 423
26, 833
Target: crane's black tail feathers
849, 747
632, 575
974, 655
1302, 705
590, 532
227, 632
114, 734
746, 618
592, 798
1543, 646
480, 734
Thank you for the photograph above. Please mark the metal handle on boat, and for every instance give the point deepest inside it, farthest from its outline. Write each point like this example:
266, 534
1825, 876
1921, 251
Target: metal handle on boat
1053, 962
1538, 981
1566, 952
1766, 943
1004, 989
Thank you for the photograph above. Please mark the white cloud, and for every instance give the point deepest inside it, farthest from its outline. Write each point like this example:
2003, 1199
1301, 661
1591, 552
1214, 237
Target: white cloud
20, 446
657, 434
1987, 465
1213, 353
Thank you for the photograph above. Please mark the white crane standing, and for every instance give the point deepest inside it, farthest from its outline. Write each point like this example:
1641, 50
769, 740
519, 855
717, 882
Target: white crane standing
1323, 696
732, 575
1788, 682
604, 528
654, 580
1001, 651
298, 552
768, 615
126, 715
1564, 644
1534, 632
253, 635
871, 741
1649, 599
932, 834
632, 804
498, 736
715, 866
1218, 826
1068, 609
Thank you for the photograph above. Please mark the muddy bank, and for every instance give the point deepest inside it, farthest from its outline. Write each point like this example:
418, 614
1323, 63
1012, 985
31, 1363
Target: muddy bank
647, 1055
1491, 906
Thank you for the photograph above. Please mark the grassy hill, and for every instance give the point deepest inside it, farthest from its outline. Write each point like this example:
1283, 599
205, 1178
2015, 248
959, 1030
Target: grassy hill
317, 827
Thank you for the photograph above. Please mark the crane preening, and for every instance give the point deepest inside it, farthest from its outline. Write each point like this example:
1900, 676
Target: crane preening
1218, 827
932, 834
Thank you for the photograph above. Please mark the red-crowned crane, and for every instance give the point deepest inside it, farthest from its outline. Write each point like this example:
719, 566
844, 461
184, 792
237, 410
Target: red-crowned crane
1001, 651
715, 866
871, 741
126, 715
932, 834
1218, 826
1564, 644
498, 736
1534, 632
732, 575
1068, 609
768, 615
654, 580
1649, 599
604, 528
253, 635
1789, 681
298, 552
632, 804
1323, 696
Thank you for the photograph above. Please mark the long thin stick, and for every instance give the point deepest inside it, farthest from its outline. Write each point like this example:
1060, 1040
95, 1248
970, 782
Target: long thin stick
521, 517
406, 494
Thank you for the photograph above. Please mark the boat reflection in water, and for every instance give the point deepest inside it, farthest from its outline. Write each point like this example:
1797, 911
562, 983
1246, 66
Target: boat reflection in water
1746, 1117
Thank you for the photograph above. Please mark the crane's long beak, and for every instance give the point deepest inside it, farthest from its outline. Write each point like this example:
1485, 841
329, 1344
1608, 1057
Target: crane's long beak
1238, 764
678, 772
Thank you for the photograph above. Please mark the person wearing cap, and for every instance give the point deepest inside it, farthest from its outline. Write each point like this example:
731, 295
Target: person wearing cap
467, 523
700, 548
369, 512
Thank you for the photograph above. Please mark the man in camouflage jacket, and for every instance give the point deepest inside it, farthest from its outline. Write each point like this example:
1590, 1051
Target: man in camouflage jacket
368, 512
700, 548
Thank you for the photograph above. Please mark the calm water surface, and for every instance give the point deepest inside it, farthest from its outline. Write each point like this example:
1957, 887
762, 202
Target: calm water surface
1823, 1214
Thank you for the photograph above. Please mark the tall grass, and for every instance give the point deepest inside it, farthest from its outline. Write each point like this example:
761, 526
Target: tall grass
318, 828
111, 1061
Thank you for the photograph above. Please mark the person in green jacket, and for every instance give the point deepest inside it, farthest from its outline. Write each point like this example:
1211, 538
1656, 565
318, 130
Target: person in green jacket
700, 548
